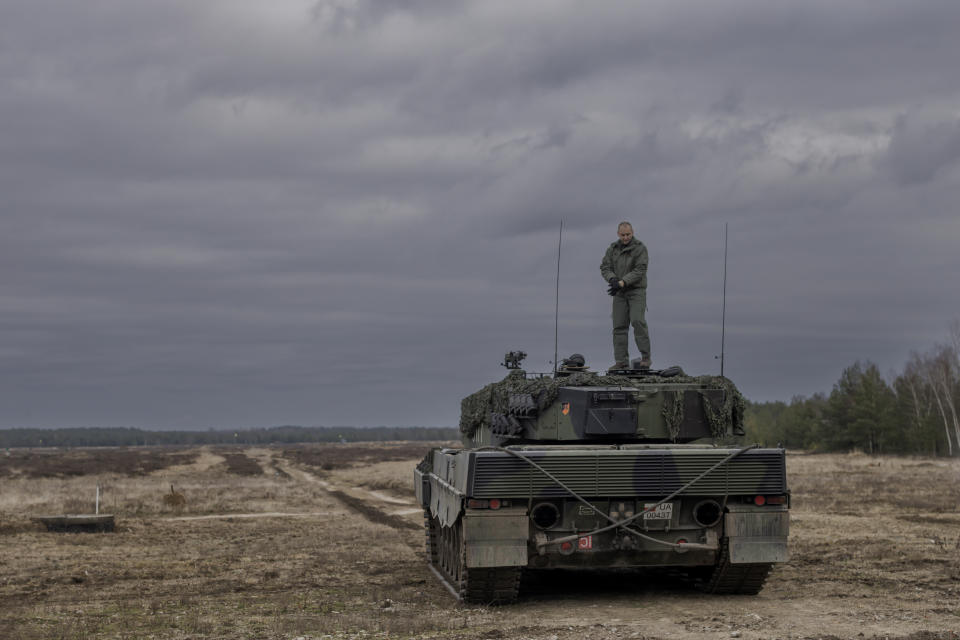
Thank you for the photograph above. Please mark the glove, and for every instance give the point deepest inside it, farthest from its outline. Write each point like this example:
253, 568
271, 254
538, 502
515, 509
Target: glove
614, 287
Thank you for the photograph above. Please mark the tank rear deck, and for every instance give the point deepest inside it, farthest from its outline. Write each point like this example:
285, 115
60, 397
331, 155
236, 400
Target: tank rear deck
612, 471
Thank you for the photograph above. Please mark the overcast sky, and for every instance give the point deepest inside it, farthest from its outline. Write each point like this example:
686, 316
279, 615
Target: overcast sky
236, 213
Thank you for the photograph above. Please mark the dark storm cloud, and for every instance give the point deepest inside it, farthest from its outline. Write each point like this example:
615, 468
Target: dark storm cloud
231, 213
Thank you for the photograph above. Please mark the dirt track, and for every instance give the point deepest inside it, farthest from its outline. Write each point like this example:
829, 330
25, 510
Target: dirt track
875, 553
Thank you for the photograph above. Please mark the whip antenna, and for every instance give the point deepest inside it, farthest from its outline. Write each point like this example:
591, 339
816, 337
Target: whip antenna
556, 311
723, 316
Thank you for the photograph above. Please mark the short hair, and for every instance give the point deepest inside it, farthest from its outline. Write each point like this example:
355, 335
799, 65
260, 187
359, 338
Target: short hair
624, 224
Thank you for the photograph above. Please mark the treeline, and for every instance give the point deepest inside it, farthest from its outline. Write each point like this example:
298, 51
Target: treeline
121, 436
914, 413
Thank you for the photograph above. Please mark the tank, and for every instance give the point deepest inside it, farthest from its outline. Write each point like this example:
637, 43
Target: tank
577, 470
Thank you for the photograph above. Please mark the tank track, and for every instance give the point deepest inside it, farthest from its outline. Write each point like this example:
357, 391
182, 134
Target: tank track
431, 534
727, 578
447, 555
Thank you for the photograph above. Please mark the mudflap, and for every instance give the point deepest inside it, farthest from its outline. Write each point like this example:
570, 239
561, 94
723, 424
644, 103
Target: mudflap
496, 538
757, 535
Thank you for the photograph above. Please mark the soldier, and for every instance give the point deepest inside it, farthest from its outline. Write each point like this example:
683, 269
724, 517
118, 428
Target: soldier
624, 268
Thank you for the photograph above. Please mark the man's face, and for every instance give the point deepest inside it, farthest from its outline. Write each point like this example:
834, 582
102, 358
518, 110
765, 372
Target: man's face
626, 234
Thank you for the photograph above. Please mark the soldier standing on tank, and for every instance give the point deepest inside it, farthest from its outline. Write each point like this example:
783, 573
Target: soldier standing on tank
624, 268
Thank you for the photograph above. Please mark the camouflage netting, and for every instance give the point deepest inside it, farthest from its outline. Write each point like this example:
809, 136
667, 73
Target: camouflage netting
673, 412
723, 420
476, 409
728, 417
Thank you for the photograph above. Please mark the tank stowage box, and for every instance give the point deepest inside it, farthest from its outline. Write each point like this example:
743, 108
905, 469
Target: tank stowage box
580, 470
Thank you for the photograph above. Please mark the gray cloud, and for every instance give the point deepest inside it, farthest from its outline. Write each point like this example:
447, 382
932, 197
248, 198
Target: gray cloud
918, 152
232, 214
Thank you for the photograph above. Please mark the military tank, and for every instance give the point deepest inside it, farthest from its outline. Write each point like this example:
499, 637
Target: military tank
577, 470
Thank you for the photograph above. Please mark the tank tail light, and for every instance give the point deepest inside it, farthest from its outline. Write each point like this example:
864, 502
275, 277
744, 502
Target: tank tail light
760, 501
492, 503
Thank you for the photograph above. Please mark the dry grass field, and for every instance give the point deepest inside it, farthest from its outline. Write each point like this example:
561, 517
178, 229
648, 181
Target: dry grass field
326, 542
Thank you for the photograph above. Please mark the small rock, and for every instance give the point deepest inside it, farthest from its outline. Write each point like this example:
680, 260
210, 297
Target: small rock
734, 634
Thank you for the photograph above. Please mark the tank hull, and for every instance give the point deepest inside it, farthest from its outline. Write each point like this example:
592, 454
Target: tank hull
720, 514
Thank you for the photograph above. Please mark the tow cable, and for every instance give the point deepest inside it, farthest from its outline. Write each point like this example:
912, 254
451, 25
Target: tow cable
623, 523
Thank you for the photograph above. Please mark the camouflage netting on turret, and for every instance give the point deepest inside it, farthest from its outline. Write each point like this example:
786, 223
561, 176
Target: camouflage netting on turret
728, 417
476, 409
673, 412
724, 419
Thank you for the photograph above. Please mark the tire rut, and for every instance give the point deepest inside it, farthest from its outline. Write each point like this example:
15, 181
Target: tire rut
371, 513
358, 505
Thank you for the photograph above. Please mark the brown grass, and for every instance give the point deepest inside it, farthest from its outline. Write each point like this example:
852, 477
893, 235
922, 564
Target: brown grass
394, 477
871, 556
174, 499
239, 464
341, 456
49, 463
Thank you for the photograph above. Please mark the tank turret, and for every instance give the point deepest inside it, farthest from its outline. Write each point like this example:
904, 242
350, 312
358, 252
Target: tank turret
580, 406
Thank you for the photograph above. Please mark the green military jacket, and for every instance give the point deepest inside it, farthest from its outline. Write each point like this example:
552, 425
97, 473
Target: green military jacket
626, 262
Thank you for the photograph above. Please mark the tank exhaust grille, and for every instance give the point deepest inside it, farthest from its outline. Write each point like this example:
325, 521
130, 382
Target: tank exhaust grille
626, 473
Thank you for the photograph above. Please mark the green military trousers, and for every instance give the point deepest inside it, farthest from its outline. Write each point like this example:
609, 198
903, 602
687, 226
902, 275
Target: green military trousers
629, 309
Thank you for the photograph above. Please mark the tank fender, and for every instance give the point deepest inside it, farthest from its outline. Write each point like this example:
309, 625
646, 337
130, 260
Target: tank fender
421, 485
446, 503
496, 538
442, 488
757, 535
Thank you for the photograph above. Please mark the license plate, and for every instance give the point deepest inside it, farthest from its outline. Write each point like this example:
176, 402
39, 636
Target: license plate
584, 543
662, 512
